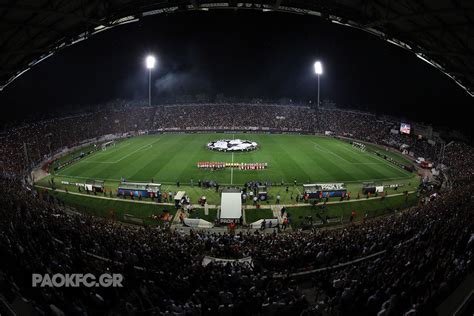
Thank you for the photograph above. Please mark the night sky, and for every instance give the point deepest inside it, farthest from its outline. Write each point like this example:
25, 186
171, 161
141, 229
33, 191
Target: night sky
242, 54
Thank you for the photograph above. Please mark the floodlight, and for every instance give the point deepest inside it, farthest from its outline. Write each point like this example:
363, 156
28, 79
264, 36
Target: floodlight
150, 62
318, 68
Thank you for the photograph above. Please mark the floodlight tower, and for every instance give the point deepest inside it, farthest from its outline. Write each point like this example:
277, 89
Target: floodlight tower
318, 69
150, 64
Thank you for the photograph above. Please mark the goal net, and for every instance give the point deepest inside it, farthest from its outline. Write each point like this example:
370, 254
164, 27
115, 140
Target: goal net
358, 146
107, 145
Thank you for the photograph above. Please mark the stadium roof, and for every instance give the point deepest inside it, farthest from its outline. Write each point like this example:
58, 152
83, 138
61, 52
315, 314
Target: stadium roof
440, 32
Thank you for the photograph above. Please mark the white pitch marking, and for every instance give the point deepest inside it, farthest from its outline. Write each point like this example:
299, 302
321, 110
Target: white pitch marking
147, 146
327, 151
373, 156
172, 183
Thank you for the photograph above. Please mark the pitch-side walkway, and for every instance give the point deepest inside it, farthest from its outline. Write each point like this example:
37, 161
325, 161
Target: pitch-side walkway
262, 206
276, 210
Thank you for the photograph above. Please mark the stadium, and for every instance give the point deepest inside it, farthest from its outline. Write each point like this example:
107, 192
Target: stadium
200, 205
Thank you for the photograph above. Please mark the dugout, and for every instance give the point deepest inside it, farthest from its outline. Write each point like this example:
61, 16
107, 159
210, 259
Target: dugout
372, 188
139, 188
179, 196
325, 189
311, 190
332, 189
95, 185
262, 192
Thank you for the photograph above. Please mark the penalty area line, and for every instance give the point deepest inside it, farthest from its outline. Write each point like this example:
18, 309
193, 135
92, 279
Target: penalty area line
144, 147
136, 150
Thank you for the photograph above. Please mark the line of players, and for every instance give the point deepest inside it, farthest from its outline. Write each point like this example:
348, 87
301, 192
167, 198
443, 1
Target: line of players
238, 165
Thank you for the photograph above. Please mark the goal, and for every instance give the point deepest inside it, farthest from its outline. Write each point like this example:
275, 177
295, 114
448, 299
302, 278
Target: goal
107, 145
359, 146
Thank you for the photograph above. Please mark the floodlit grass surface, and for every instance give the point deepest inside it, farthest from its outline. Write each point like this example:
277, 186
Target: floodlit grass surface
253, 215
199, 213
169, 158
73, 154
373, 208
388, 153
113, 209
106, 207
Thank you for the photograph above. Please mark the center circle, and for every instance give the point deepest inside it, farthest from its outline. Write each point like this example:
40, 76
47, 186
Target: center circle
232, 145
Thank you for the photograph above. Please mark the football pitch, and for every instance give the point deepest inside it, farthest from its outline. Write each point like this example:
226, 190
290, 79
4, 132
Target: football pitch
168, 158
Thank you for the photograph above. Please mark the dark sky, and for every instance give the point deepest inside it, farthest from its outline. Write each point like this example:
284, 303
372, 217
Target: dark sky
242, 54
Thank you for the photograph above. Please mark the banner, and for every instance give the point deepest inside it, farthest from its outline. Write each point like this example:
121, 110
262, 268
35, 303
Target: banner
208, 259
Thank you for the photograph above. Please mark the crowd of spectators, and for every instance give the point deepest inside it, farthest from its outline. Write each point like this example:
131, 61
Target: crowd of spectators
410, 261
426, 251
239, 116
459, 159
370, 128
26, 146
359, 125
37, 236
414, 277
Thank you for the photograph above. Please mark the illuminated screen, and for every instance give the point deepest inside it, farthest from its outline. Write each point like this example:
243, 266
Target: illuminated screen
405, 128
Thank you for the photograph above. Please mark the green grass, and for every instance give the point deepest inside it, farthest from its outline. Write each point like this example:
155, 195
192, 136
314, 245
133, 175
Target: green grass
253, 215
374, 208
72, 155
395, 156
199, 213
104, 207
170, 158
214, 198
167, 158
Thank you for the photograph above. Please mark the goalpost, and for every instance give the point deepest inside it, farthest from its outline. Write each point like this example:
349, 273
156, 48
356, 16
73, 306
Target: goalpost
107, 145
358, 146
